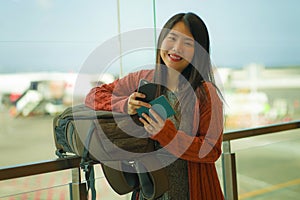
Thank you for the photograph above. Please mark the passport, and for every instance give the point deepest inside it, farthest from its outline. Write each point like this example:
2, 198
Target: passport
160, 105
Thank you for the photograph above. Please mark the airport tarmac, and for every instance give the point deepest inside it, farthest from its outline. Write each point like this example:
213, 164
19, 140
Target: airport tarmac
29, 140
268, 166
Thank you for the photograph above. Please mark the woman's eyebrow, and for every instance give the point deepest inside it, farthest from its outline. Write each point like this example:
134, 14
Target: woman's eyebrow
173, 34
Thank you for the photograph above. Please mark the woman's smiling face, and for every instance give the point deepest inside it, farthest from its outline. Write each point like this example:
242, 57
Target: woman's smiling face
177, 49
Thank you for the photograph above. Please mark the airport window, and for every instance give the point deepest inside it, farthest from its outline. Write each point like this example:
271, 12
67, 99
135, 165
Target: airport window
53, 52
46, 47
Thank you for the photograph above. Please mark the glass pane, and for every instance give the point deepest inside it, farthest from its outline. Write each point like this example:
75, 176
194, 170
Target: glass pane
43, 46
52, 35
60, 192
54, 186
137, 35
25, 139
256, 62
267, 166
44, 186
259, 95
220, 172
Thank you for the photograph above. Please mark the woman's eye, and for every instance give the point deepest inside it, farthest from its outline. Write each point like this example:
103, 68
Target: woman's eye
189, 44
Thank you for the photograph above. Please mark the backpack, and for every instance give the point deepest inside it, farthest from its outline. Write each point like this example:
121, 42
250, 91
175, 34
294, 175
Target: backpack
101, 137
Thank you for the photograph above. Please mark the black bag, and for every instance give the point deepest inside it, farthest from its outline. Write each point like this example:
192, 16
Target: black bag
101, 136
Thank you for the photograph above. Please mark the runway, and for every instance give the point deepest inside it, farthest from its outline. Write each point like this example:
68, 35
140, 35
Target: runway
268, 166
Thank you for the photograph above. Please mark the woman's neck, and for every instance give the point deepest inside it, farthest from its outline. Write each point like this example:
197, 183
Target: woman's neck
173, 79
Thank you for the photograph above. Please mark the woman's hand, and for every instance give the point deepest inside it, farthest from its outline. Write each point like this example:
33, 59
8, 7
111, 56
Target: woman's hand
134, 104
152, 124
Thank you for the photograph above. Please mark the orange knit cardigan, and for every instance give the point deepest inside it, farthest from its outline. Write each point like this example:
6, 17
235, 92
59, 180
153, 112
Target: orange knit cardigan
203, 150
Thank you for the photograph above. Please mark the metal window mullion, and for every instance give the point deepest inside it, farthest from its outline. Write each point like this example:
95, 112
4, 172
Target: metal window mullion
78, 189
229, 172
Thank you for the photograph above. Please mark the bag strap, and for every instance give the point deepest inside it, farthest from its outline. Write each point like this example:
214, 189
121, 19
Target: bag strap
153, 183
87, 165
147, 185
90, 178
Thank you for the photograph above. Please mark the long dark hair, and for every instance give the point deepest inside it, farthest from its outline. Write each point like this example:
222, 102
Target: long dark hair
200, 68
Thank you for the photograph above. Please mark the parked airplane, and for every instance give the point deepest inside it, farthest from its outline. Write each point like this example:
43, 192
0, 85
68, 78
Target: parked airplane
46, 92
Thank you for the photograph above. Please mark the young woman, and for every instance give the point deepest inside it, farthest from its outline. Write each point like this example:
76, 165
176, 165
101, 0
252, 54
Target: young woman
194, 133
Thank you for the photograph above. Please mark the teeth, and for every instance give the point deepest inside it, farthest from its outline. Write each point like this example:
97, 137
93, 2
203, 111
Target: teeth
175, 57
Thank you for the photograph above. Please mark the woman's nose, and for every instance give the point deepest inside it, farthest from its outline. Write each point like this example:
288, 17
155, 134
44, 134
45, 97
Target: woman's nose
178, 45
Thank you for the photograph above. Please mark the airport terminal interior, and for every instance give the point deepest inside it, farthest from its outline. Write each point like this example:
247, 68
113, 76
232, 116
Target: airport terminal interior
66, 48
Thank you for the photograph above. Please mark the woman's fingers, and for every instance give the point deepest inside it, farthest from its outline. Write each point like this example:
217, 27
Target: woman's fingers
152, 125
156, 117
134, 104
148, 118
137, 95
148, 127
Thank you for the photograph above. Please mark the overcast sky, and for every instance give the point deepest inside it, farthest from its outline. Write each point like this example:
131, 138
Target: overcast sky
56, 35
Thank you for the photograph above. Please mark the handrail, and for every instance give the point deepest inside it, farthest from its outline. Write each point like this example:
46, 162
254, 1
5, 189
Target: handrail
41, 167
250, 132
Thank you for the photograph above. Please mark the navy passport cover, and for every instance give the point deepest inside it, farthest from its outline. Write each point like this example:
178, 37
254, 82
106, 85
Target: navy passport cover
160, 105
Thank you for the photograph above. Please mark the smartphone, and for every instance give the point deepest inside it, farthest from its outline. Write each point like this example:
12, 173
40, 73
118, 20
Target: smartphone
160, 105
143, 82
147, 88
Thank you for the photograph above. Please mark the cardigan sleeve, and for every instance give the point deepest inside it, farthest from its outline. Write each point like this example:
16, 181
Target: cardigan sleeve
114, 96
205, 147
